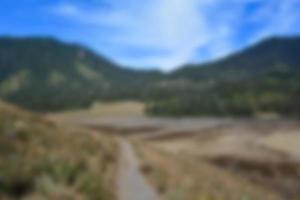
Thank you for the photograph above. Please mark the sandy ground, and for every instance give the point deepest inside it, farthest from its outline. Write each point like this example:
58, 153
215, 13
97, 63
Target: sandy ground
289, 143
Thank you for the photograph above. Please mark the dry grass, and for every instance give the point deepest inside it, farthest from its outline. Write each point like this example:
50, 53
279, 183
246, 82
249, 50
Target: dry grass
125, 108
99, 110
265, 152
287, 142
184, 177
40, 160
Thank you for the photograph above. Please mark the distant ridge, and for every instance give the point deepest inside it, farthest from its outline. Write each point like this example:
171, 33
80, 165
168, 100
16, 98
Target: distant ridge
47, 74
259, 58
263, 79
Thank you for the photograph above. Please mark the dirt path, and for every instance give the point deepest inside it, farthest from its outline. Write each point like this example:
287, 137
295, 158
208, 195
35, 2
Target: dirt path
131, 183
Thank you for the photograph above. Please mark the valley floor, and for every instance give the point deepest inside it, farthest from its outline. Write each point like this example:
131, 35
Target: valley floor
262, 155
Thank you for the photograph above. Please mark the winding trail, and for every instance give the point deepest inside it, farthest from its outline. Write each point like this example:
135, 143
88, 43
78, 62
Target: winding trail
131, 183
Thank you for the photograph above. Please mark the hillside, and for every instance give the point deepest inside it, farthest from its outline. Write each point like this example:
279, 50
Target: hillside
47, 74
274, 54
261, 79
38, 159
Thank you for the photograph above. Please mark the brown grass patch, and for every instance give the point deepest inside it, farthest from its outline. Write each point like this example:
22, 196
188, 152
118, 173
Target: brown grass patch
184, 177
40, 160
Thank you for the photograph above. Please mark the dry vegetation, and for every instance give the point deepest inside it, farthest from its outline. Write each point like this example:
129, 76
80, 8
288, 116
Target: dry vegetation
206, 158
40, 160
102, 110
184, 177
265, 153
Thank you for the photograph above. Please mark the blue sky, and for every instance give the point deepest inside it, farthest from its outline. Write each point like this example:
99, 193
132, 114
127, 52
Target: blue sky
163, 34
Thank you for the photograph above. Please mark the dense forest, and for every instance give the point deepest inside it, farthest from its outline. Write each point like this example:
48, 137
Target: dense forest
45, 74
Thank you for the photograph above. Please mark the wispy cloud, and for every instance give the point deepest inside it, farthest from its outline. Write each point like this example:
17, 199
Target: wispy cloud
184, 30
276, 18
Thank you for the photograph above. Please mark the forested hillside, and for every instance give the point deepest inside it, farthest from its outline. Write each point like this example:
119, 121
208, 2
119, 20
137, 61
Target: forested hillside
46, 74
263, 79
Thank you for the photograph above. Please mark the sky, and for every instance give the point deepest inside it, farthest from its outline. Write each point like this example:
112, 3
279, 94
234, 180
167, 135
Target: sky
153, 34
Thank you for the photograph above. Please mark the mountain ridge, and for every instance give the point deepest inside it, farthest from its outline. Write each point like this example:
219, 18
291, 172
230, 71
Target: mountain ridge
47, 74
45, 69
274, 45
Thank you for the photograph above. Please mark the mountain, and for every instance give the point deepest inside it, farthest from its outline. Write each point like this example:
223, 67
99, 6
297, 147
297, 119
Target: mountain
274, 54
264, 78
44, 73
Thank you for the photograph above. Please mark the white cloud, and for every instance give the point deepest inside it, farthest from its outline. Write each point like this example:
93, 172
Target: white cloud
179, 27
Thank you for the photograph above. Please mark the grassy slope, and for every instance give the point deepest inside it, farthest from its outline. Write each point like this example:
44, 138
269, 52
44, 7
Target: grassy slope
39, 160
184, 178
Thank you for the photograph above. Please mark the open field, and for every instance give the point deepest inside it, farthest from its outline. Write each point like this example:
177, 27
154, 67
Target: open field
101, 111
267, 153
182, 176
262, 153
